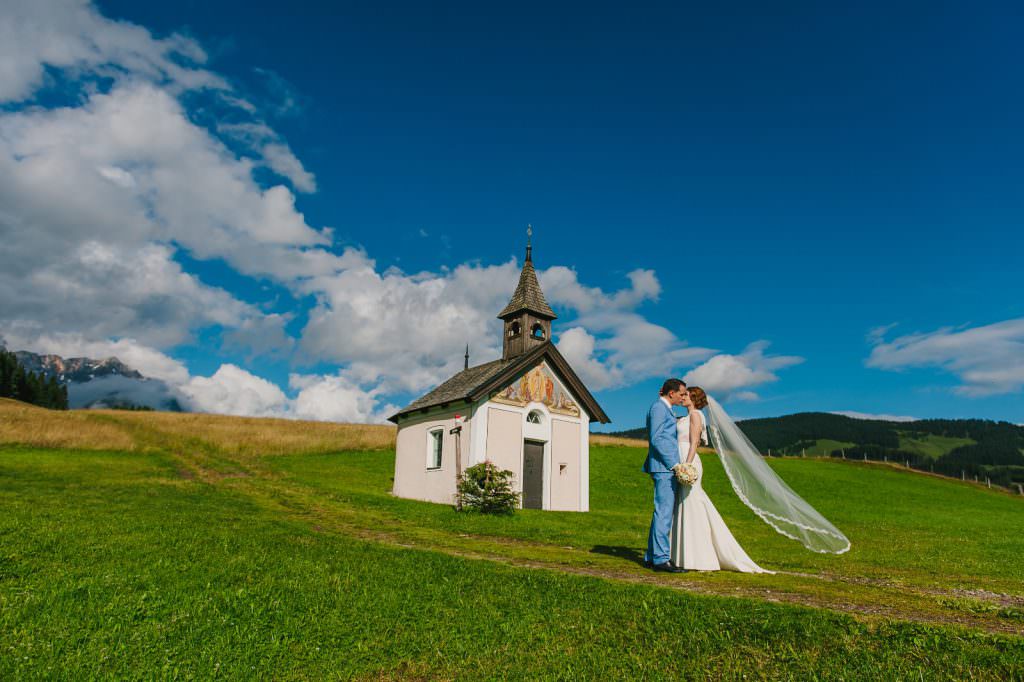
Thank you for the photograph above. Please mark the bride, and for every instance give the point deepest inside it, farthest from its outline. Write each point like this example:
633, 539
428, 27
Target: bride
700, 540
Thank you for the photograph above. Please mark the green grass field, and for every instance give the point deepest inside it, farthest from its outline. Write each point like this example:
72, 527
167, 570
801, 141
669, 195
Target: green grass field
186, 559
826, 446
931, 445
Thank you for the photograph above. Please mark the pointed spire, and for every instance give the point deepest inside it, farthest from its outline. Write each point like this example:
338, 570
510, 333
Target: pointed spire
528, 294
467, 357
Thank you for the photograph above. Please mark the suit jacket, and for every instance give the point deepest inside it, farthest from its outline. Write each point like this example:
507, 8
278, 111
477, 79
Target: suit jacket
663, 449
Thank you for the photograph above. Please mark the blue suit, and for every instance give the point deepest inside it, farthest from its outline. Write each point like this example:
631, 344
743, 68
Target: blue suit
662, 455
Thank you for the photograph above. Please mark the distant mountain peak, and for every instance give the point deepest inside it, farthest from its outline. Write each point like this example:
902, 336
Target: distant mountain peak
78, 370
104, 382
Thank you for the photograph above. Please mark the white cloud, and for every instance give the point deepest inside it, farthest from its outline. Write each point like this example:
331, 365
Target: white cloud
283, 161
577, 345
408, 332
405, 331
727, 375
233, 390
883, 417
148, 361
71, 35
98, 196
236, 391
562, 287
988, 360
118, 176
336, 398
100, 290
610, 343
260, 139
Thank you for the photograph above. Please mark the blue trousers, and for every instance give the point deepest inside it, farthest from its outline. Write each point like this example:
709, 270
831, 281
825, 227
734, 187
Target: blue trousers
661, 520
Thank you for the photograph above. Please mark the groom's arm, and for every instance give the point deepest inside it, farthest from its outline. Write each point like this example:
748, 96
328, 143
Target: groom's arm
664, 444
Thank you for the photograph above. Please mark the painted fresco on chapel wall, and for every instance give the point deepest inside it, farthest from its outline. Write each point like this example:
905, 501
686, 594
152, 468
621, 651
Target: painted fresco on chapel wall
538, 385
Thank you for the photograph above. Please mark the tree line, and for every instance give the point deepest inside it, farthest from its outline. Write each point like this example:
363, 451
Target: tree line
997, 453
30, 387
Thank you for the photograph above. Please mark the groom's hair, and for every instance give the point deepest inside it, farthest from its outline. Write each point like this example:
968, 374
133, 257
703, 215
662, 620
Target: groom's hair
672, 385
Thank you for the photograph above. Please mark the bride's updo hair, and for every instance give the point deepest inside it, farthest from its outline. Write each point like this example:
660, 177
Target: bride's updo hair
698, 396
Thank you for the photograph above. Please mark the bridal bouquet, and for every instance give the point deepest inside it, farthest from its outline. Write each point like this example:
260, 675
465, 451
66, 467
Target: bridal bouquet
686, 473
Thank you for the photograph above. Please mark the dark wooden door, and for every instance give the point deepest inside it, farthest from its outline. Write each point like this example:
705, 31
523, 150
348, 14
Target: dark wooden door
533, 475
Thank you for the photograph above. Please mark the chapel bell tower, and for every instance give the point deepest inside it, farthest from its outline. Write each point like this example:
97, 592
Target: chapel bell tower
527, 316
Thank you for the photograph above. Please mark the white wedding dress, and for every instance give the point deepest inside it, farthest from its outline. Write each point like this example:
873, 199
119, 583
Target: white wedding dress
700, 540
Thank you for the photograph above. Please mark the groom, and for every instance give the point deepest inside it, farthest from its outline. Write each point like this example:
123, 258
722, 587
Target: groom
662, 455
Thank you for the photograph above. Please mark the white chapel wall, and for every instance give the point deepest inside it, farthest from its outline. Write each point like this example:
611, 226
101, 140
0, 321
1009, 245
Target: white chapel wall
505, 440
412, 478
564, 472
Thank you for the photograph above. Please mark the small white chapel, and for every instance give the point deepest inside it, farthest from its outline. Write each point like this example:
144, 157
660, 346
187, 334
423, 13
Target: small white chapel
527, 412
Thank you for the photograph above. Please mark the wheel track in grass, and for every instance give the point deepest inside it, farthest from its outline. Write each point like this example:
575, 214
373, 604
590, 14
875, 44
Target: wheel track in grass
869, 599
199, 462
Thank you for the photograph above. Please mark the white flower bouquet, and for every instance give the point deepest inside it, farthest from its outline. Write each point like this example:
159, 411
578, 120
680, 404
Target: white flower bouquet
686, 474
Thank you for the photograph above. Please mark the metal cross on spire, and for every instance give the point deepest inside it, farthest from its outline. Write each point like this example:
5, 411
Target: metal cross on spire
529, 247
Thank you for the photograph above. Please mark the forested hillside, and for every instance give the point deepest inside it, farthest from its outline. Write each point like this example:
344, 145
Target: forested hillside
30, 387
955, 447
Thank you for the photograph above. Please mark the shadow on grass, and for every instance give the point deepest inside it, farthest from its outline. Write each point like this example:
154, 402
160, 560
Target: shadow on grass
628, 553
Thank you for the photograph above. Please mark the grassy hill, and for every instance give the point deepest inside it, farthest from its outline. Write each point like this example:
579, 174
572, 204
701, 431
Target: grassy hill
930, 445
184, 545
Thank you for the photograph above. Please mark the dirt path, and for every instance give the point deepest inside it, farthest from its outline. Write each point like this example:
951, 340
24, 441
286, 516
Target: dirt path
870, 600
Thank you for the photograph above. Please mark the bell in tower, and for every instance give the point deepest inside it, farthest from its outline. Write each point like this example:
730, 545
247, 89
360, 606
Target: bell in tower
527, 316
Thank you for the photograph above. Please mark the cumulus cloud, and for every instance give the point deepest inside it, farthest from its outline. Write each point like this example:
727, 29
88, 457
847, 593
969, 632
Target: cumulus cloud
611, 344
236, 391
731, 376
233, 390
407, 332
282, 160
72, 35
101, 290
988, 360
578, 345
264, 142
99, 196
337, 398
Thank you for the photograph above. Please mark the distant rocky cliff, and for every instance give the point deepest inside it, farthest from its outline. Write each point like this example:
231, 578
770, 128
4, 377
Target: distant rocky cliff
74, 369
102, 383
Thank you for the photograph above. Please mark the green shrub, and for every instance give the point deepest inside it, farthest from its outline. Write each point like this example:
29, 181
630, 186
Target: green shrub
487, 489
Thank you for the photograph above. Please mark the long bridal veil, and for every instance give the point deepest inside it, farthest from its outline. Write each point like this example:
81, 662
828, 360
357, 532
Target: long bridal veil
762, 490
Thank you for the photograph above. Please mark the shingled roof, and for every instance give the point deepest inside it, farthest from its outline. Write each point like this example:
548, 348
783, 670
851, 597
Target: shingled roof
459, 387
474, 383
528, 295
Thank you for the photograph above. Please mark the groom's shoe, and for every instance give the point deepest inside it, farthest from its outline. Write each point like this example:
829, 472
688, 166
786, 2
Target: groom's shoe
668, 568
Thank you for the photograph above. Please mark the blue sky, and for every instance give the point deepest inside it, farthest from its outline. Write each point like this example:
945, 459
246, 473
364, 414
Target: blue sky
840, 188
